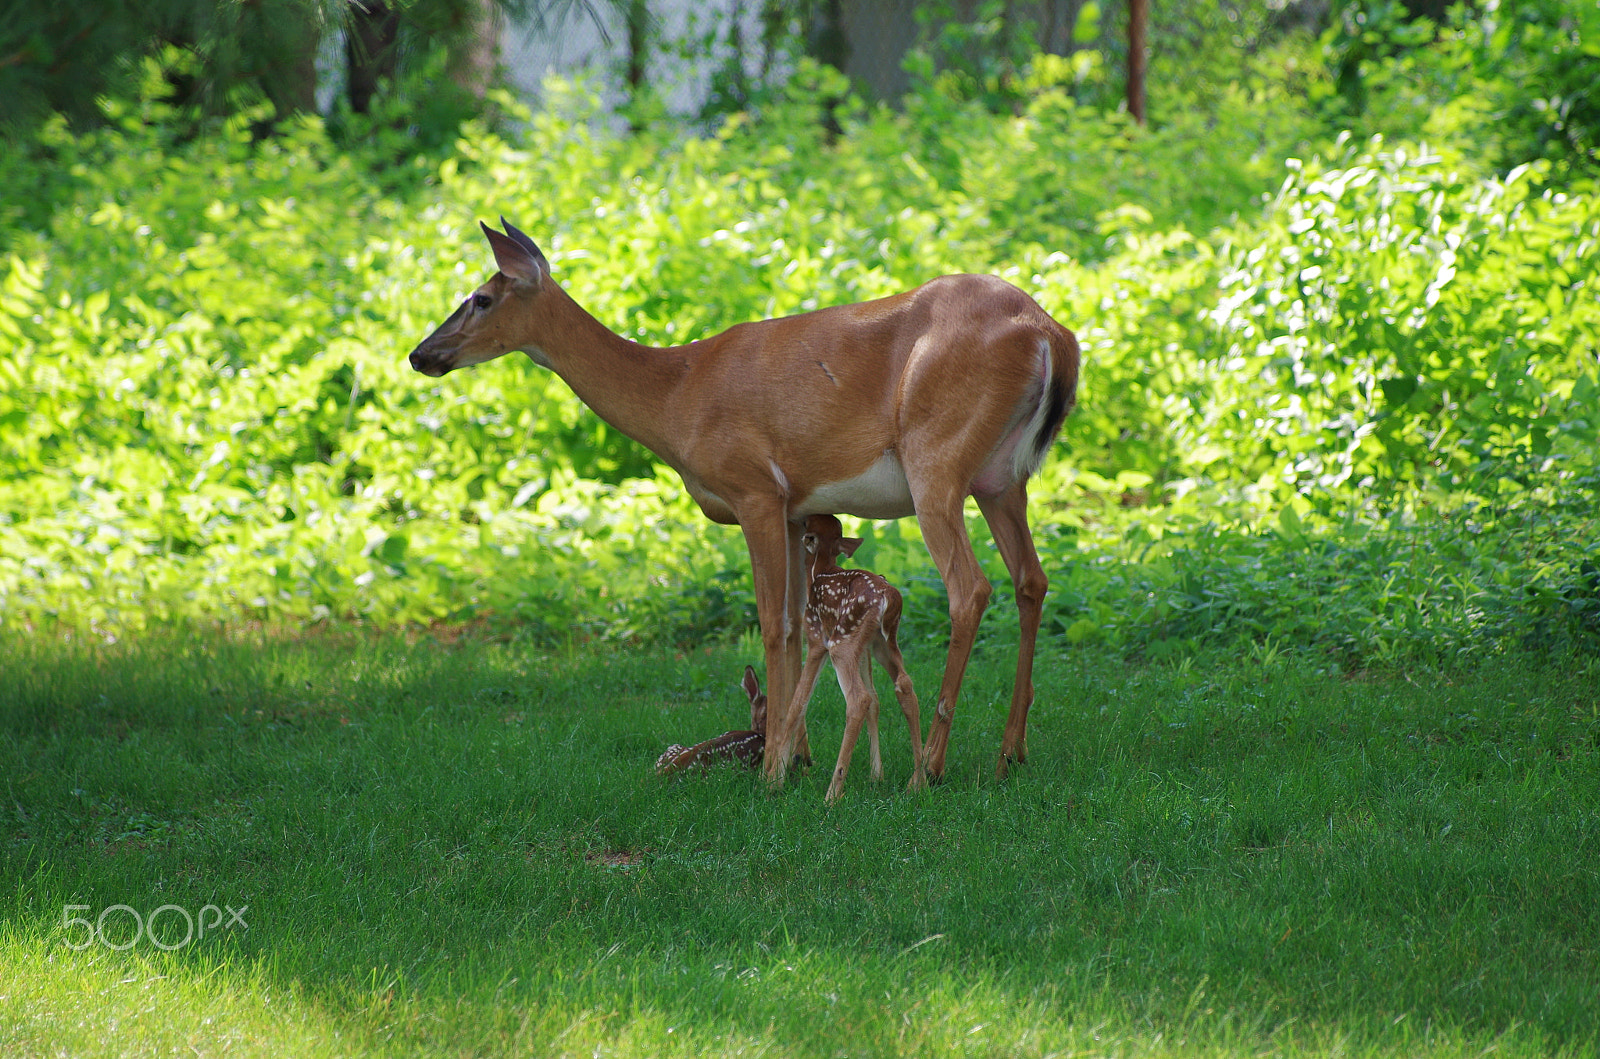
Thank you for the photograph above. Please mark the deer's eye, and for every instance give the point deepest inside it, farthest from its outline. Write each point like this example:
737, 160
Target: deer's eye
481, 301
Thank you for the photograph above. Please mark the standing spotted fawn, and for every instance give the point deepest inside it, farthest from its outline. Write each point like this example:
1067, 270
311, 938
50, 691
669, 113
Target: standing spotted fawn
747, 746
850, 616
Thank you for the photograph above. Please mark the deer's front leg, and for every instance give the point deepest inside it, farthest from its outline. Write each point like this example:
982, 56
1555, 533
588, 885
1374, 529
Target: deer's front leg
874, 756
775, 567
816, 654
795, 606
887, 651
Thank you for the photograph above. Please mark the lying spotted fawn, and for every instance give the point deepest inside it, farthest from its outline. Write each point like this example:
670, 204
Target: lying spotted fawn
747, 746
851, 616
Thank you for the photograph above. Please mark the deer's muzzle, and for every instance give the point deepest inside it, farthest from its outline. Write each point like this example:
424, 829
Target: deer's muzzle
431, 362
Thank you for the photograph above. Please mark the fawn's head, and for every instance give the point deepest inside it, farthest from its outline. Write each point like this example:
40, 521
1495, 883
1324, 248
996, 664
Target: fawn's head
824, 541
496, 318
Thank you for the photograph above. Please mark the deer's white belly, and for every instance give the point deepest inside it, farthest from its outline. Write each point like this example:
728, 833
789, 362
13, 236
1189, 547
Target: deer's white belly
880, 491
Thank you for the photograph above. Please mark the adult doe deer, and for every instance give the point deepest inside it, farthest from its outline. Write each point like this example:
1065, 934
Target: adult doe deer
852, 616
904, 405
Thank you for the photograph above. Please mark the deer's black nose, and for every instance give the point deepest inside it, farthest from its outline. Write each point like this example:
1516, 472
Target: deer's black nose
427, 364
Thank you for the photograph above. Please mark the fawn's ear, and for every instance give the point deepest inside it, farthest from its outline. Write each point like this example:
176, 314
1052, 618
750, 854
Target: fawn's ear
758, 701
848, 545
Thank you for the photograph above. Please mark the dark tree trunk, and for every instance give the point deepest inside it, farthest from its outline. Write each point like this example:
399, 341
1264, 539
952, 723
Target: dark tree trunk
827, 40
292, 86
476, 53
274, 44
370, 49
638, 45
1138, 21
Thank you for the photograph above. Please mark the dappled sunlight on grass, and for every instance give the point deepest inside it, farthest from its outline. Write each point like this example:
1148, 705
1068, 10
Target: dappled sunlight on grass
100, 1002
788, 1000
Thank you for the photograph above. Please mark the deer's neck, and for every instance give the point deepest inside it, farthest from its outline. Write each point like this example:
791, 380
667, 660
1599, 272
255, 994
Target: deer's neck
623, 382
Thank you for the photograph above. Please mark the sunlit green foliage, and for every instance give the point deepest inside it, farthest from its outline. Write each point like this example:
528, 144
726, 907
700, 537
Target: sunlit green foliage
1510, 80
1386, 318
206, 412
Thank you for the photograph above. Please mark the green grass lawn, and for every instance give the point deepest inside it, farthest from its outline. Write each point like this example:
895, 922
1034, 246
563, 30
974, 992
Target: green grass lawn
462, 849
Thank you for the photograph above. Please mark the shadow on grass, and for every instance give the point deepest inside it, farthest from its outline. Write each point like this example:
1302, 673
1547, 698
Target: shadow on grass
463, 848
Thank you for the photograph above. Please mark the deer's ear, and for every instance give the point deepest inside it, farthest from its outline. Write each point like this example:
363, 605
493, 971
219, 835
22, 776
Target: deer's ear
513, 258
752, 686
848, 546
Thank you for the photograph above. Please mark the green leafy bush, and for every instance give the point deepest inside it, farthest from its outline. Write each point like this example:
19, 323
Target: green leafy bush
1509, 82
207, 414
1442, 586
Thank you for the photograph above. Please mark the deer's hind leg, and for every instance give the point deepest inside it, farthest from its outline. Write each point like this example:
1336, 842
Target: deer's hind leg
944, 531
1007, 515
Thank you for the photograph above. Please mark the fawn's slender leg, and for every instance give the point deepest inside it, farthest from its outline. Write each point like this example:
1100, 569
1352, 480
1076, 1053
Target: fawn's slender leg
859, 703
